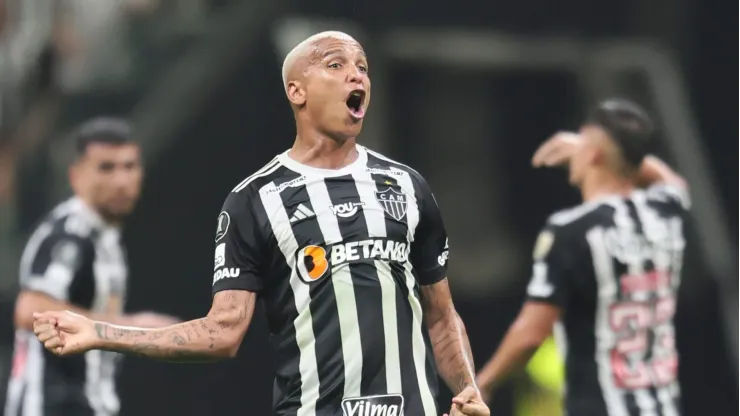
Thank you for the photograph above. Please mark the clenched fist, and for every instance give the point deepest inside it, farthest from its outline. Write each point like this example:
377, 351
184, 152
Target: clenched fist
65, 333
468, 403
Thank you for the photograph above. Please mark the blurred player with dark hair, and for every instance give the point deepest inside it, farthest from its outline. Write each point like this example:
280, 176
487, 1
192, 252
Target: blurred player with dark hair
75, 261
608, 271
349, 253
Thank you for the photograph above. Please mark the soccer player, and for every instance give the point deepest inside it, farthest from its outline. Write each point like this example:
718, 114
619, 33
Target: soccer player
608, 270
75, 261
349, 254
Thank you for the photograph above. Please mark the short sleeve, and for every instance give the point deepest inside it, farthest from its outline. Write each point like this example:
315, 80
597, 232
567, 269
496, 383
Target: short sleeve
238, 253
430, 248
671, 194
553, 273
50, 265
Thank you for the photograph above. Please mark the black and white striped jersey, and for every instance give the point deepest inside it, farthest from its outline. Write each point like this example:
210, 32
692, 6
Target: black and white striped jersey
614, 267
338, 257
75, 257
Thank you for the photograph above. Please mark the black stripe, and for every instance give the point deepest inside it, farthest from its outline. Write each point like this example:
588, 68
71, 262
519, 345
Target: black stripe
368, 294
287, 385
324, 312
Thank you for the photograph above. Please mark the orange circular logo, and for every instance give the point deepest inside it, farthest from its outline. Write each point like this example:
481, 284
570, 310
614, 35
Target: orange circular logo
311, 263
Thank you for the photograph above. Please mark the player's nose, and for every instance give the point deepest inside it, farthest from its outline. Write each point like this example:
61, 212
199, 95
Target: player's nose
355, 76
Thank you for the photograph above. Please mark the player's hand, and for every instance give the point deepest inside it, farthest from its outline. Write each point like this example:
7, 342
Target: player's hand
468, 403
64, 332
151, 320
557, 150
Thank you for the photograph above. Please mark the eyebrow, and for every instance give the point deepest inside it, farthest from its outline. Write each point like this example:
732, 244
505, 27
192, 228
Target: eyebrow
337, 51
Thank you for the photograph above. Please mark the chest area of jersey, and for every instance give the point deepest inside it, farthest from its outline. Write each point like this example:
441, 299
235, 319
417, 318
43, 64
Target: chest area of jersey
349, 219
350, 209
110, 274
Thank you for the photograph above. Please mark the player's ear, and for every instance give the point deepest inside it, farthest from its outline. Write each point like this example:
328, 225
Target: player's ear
296, 93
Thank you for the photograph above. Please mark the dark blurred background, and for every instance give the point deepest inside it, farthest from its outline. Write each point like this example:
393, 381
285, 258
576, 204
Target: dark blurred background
463, 91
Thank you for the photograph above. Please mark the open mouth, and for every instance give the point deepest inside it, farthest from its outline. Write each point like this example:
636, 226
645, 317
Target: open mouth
355, 103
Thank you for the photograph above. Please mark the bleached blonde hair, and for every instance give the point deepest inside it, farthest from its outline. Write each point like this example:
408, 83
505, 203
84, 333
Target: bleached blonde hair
299, 50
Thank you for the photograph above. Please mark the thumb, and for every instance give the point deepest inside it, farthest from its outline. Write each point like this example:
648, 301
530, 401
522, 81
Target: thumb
48, 315
466, 395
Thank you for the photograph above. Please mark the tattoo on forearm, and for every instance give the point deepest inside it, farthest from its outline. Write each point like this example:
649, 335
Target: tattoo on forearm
193, 340
449, 339
453, 354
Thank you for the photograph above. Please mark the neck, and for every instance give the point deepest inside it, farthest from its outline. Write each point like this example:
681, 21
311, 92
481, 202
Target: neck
318, 150
602, 183
114, 222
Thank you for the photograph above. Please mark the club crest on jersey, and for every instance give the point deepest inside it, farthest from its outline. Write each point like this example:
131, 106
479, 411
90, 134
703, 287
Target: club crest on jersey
381, 405
393, 202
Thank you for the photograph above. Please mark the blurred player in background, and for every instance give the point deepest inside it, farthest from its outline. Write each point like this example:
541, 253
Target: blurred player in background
349, 253
75, 261
608, 271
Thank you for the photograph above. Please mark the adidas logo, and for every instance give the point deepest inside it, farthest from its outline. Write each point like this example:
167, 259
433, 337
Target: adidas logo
301, 213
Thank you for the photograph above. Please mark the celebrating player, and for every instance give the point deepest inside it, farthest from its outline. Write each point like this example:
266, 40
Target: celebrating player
608, 270
348, 251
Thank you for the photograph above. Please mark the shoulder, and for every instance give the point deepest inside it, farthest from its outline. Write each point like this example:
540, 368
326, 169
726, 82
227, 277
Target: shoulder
668, 194
70, 221
250, 185
379, 163
576, 220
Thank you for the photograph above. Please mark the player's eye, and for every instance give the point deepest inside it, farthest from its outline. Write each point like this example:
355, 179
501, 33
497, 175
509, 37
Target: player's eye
362, 68
335, 65
106, 167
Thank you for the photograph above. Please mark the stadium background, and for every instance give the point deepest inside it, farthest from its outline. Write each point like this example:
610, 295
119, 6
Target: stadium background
463, 91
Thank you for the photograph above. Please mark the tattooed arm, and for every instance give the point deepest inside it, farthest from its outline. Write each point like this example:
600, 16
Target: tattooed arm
449, 337
216, 336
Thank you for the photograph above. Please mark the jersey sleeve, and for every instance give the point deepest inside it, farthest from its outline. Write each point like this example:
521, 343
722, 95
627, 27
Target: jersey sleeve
430, 248
51, 264
672, 194
553, 273
238, 256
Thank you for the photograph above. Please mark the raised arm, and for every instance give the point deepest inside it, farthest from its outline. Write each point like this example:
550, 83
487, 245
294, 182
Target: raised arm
216, 336
654, 171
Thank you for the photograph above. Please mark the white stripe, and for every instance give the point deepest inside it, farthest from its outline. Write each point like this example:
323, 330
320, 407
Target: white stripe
374, 213
303, 323
667, 396
33, 402
605, 338
643, 397
418, 347
344, 291
266, 170
92, 380
32, 248
390, 327
299, 215
417, 339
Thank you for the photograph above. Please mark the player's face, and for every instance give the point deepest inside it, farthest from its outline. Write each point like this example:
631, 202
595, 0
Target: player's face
109, 177
338, 87
584, 156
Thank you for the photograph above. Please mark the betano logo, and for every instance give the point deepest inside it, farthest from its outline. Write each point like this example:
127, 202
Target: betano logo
313, 262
